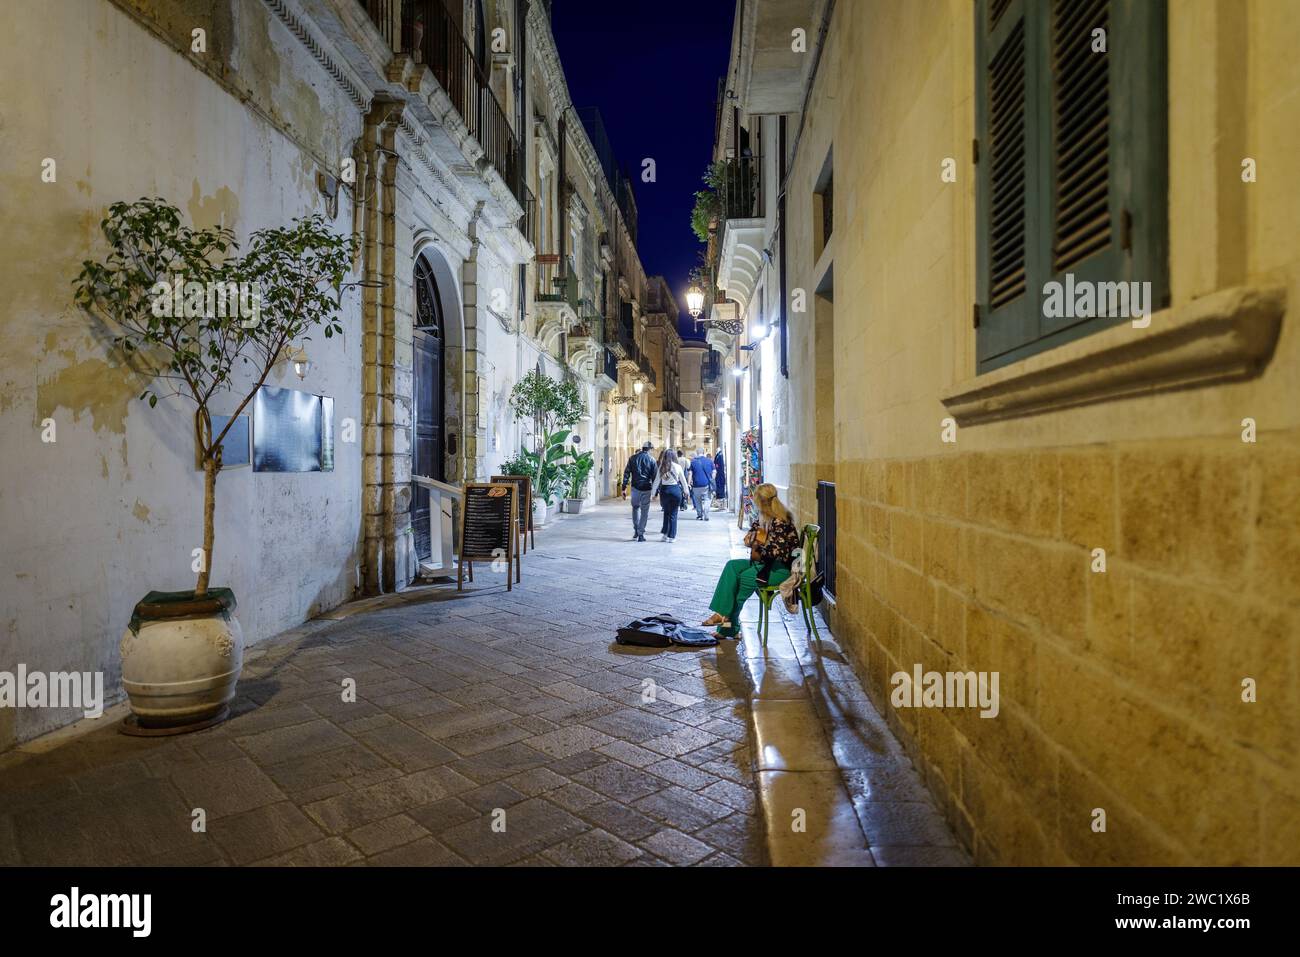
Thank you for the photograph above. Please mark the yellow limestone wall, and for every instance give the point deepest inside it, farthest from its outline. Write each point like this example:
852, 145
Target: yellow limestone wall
1120, 690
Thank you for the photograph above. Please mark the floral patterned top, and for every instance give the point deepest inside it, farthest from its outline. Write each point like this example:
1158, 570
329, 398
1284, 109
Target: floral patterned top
782, 538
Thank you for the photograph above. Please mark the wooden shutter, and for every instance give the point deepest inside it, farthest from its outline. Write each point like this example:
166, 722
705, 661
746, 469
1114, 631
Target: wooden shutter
1081, 126
1008, 171
1009, 165
1073, 159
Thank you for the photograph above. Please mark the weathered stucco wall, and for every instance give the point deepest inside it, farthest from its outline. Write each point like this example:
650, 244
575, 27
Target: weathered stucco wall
113, 507
1120, 690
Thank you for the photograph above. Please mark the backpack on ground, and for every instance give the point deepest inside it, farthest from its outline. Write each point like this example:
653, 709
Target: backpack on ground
660, 631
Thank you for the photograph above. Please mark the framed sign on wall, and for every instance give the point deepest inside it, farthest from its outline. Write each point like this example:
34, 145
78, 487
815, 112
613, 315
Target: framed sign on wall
292, 431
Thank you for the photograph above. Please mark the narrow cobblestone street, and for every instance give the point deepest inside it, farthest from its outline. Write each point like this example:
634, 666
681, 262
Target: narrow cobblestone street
487, 700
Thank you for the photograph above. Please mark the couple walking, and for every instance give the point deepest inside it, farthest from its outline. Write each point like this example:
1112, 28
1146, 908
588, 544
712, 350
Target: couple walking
672, 483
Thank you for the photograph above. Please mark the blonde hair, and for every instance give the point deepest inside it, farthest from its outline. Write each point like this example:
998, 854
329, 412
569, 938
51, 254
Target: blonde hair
770, 507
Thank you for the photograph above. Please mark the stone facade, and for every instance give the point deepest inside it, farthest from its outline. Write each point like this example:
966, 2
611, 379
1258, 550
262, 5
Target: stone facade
1121, 690
253, 106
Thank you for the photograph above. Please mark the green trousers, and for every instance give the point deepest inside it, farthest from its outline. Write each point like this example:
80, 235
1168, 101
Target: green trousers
740, 580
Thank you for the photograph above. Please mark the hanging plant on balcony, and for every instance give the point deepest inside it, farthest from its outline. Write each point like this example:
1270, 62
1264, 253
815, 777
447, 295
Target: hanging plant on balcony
705, 213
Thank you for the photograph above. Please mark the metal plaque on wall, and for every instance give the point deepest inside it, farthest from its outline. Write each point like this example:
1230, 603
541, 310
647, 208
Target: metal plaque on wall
292, 431
235, 446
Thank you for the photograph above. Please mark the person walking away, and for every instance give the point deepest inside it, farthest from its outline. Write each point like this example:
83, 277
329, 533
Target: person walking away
639, 475
701, 484
670, 484
720, 478
772, 541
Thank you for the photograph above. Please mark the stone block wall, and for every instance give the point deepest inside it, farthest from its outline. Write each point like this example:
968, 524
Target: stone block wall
1119, 689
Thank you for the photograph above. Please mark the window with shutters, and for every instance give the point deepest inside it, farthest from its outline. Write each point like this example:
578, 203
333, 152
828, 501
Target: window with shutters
1071, 124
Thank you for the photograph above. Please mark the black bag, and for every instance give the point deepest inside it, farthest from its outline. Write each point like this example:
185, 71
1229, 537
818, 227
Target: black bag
660, 631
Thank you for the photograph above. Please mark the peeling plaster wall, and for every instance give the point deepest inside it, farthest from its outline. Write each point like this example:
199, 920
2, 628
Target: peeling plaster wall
112, 509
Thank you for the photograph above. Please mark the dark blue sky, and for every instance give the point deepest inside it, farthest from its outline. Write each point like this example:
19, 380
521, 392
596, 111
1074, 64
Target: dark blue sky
651, 67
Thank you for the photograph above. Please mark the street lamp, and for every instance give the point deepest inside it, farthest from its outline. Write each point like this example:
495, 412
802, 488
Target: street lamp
695, 300
638, 386
758, 330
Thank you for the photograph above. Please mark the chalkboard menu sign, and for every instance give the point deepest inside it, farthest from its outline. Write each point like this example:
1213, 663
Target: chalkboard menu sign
488, 525
525, 483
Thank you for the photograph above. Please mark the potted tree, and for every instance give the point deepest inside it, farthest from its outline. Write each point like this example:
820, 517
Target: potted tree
580, 466
550, 405
163, 291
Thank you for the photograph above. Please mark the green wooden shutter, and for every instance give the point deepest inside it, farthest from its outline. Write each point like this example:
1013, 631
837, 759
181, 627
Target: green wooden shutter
1095, 182
1007, 93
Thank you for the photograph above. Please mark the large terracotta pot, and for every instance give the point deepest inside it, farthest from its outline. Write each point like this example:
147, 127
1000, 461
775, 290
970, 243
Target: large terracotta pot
181, 659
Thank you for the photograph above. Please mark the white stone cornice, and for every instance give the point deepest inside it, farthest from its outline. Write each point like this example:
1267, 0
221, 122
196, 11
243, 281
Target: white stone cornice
299, 24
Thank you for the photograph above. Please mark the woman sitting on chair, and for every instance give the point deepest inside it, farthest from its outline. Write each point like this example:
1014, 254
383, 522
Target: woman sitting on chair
772, 541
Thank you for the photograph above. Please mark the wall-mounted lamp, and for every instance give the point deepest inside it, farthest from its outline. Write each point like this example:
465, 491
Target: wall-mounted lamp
638, 386
301, 364
739, 371
695, 301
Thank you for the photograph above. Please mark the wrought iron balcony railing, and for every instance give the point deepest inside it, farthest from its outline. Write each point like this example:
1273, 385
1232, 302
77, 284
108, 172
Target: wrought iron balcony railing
556, 283
741, 189
424, 30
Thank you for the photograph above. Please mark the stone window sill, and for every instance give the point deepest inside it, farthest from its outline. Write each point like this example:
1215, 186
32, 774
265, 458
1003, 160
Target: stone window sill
1226, 336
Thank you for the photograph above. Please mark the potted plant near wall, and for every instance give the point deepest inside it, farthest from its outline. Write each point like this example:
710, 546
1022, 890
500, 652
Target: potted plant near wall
164, 293
579, 468
550, 406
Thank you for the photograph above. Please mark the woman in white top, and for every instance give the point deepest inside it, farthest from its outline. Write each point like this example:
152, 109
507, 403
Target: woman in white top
670, 483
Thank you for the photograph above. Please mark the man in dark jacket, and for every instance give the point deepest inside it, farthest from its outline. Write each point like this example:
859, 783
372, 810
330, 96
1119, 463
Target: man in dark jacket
640, 475
701, 484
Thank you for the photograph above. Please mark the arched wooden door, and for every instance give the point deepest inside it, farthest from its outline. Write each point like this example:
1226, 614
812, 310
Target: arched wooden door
427, 452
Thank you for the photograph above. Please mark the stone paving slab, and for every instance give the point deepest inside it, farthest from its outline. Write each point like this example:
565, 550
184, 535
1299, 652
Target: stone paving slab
513, 709
835, 785
503, 728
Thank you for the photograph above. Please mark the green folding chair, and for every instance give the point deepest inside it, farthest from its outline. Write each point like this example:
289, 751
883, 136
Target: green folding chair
767, 593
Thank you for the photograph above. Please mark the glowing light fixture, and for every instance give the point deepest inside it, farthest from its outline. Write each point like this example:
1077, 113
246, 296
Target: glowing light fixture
301, 364
695, 300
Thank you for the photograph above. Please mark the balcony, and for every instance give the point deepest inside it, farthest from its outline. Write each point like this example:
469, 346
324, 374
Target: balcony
741, 227
711, 373
425, 31
586, 353
647, 369
556, 301
771, 76
607, 376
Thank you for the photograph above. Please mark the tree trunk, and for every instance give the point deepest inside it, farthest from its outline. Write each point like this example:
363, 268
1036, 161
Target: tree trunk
209, 507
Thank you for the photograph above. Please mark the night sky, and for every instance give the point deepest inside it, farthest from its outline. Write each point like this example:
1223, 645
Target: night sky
652, 67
